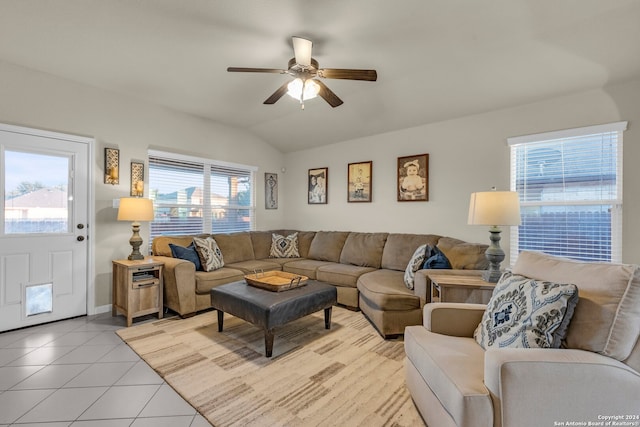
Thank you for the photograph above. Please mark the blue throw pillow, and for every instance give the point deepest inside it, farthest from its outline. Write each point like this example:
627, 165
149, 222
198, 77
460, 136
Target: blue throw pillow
189, 253
437, 261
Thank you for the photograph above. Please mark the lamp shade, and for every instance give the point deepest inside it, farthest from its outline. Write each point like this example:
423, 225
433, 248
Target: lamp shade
494, 208
135, 209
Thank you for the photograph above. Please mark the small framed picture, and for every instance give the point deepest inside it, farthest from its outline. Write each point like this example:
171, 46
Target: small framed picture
318, 180
413, 178
111, 166
137, 179
270, 190
359, 182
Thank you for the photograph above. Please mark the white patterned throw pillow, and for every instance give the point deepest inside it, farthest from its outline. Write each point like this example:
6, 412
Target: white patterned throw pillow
284, 247
526, 313
416, 261
209, 253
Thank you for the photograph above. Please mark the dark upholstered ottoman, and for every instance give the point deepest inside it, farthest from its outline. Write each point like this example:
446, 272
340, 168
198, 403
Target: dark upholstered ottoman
268, 309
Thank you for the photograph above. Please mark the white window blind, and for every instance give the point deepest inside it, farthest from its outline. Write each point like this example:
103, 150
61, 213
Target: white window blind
570, 188
195, 196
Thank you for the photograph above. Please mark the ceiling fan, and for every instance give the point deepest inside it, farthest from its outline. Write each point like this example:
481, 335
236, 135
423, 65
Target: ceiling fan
305, 71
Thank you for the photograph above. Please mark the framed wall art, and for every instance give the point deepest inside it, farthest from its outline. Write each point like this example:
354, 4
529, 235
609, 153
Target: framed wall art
359, 181
270, 190
413, 178
137, 179
111, 166
318, 181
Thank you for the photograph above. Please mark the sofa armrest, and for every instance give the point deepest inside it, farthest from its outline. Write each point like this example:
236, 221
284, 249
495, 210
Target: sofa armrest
179, 280
534, 387
451, 318
422, 283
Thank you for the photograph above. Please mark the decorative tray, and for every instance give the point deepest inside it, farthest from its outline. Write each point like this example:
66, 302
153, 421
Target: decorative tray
276, 281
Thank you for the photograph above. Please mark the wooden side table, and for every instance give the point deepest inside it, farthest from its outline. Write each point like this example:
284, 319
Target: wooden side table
453, 288
137, 288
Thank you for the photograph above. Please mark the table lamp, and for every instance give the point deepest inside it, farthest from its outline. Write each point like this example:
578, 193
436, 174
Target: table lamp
135, 209
494, 208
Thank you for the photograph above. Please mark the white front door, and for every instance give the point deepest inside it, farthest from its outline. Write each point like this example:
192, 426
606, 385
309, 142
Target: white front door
43, 226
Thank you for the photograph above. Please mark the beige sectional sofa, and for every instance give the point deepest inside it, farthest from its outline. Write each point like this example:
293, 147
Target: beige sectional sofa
366, 268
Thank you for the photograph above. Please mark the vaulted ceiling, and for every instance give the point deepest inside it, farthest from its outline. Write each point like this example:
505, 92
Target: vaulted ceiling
435, 60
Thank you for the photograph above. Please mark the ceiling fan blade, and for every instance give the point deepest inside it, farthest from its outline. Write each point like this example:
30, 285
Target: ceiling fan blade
302, 51
277, 94
348, 74
255, 70
328, 95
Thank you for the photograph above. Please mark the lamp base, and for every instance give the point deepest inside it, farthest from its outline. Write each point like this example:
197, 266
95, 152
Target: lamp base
492, 276
135, 241
495, 255
135, 256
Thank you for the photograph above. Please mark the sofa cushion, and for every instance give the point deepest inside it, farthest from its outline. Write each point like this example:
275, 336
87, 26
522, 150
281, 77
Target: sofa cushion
280, 261
463, 255
341, 274
235, 247
414, 264
189, 254
304, 240
363, 249
211, 257
261, 243
304, 267
255, 265
327, 245
399, 248
607, 317
284, 246
160, 244
453, 367
526, 313
385, 290
205, 280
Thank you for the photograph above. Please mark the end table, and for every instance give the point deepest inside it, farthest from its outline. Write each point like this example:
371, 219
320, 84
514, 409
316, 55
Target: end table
459, 288
137, 288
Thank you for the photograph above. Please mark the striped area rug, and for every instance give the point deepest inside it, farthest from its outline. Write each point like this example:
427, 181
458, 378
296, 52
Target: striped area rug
345, 376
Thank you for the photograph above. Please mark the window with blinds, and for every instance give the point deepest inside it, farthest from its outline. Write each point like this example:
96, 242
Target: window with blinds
570, 188
195, 196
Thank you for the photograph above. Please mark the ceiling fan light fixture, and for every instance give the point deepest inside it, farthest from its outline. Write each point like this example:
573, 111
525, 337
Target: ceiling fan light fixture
303, 90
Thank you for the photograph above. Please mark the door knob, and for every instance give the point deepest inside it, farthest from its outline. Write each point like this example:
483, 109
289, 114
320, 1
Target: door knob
80, 238
80, 226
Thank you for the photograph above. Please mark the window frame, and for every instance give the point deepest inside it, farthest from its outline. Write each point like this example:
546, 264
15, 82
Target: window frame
563, 135
209, 168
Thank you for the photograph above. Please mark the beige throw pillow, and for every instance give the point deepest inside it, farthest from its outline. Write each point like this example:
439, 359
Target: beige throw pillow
415, 263
526, 313
284, 247
209, 253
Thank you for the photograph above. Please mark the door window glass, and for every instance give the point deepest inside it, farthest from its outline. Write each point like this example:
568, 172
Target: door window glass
36, 193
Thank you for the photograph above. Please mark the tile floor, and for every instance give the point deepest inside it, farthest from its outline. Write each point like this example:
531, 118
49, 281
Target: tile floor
79, 373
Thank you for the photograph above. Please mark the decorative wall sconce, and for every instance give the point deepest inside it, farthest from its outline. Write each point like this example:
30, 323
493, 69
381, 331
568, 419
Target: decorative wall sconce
137, 179
111, 166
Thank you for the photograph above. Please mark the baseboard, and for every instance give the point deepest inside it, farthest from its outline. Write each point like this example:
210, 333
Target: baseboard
101, 309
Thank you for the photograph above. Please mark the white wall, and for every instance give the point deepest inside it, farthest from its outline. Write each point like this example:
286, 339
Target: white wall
466, 155
42, 101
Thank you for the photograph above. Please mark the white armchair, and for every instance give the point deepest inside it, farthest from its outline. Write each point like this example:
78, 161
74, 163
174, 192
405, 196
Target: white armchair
455, 382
